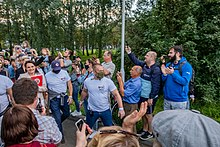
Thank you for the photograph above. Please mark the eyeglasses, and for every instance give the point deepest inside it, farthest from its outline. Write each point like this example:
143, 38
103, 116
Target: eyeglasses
116, 132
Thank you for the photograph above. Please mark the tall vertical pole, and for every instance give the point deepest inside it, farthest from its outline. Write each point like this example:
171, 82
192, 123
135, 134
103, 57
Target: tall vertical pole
123, 40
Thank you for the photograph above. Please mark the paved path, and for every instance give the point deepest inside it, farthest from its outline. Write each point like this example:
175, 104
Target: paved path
70, 133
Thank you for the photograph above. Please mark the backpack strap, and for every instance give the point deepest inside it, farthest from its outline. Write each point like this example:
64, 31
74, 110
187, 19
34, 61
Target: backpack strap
180, 67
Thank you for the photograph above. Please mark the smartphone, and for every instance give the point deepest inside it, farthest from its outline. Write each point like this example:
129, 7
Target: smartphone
79, 124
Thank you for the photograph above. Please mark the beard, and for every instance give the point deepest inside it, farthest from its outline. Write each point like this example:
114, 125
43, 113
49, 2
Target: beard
172, 59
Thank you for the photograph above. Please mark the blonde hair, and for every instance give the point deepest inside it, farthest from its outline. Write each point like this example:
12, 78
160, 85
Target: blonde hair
113, 139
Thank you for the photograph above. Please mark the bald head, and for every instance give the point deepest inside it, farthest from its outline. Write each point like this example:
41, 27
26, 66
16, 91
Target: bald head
135, 71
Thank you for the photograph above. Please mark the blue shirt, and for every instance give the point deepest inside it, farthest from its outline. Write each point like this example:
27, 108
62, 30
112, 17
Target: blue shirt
132, 90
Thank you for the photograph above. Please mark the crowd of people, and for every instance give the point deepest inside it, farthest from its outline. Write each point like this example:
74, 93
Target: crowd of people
40, 88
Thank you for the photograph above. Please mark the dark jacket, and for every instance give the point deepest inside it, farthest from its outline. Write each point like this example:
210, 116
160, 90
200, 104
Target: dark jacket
152, 74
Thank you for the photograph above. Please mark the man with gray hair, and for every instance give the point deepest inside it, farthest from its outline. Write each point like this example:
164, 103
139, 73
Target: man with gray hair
150, 79
131, 90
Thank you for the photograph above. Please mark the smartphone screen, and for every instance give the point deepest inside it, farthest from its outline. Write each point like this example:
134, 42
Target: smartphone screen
79, 124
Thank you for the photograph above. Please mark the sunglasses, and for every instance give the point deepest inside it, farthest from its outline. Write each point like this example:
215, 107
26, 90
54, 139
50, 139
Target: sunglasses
116, 132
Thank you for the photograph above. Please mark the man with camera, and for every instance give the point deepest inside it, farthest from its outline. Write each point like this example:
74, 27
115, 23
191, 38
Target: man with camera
176, 84
65, 61
150, 79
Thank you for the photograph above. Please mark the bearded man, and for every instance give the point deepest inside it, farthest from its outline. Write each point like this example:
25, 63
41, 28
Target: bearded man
176, 84
97, 89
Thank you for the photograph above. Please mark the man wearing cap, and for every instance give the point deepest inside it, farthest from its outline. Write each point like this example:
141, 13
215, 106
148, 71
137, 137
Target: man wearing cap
58, 80
176, 85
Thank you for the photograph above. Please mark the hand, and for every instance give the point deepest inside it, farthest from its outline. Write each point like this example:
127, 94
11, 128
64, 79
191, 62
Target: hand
60, 54
169, 70
81, 104
70, 101
97, 61
134, 117
192, 99
119, 77
150, 102
127, 49
43, 111
121, 113
81, 137
163, 69
83, 71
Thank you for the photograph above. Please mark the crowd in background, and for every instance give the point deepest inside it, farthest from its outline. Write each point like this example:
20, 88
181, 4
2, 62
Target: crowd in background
47, 85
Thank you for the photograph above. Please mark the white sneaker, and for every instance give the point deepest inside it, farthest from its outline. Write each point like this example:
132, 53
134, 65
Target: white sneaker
76, 113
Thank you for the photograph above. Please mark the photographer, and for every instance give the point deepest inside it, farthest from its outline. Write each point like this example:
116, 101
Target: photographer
176, 85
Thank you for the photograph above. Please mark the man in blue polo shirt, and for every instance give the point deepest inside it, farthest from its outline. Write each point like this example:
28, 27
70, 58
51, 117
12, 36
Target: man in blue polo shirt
131, 90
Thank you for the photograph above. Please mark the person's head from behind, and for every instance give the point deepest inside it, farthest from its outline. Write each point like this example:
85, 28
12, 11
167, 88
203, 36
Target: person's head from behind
19, 125
135, 71
25, 92
114, 136
185, 129
175, 53
150, 57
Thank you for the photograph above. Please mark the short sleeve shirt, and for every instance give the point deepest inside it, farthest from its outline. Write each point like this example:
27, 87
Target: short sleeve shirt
110, 66
98, 91
57, 82
6, 83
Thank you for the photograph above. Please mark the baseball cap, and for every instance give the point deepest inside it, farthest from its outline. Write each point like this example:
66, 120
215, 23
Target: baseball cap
55, 65
184, 128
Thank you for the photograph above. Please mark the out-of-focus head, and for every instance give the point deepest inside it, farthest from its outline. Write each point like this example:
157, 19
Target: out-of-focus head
114, 136
26, 44
184, 128
25, 91
68, 53
107, 56
19, 125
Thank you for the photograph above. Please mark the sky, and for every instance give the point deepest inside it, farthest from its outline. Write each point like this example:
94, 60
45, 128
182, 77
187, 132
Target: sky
134, 5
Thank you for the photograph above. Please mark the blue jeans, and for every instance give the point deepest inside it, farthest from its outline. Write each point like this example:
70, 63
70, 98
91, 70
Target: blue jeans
75, 96
105, 116
169, 105
55, 106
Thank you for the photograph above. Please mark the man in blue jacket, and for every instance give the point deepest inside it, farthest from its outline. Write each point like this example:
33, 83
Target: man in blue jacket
176, 84
150, 80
